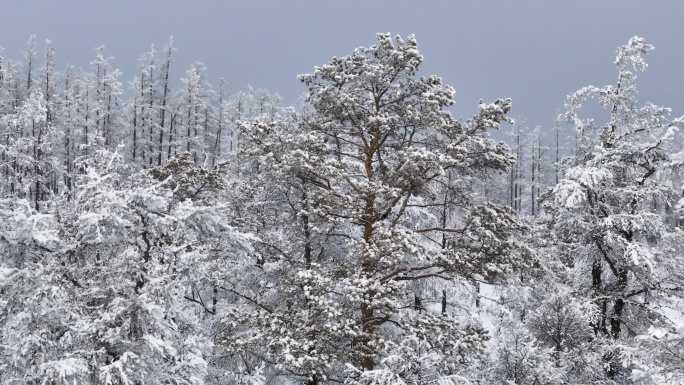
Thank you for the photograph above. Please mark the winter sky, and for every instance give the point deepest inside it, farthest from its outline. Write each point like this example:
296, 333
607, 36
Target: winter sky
534, 51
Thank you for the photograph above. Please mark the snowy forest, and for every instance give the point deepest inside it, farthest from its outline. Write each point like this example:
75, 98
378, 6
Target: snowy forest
157, 231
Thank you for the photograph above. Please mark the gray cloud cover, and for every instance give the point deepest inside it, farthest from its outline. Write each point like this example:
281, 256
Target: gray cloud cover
534, 51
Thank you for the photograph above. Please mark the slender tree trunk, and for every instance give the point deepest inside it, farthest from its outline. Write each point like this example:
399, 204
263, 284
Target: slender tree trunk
172, 131
162, 120
135, 127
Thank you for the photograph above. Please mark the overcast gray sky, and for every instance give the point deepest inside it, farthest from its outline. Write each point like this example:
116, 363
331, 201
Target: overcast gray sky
534, 51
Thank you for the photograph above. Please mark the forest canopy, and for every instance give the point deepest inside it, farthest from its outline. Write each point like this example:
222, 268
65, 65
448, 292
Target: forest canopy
200, 235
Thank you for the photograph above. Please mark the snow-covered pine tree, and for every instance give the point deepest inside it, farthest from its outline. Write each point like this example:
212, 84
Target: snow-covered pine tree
368, 157
109, 286
619, 247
